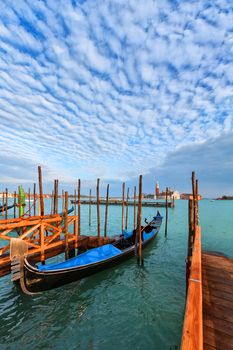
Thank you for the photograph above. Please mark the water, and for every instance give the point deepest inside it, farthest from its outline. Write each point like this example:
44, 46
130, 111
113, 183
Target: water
125, 307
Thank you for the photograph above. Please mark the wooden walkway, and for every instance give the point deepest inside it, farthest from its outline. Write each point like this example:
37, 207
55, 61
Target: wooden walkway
208, 321
217, 296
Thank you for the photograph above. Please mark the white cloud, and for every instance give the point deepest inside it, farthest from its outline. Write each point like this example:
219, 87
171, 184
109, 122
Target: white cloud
105, 90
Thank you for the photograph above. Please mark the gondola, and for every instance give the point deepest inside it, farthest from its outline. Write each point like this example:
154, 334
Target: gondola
4, 207
44, 277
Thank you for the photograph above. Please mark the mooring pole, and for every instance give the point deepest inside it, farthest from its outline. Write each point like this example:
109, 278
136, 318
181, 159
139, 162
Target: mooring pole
106, 212
6, 213
98, 210
139, 233
190, 241
90, 209
75, 199
3, 202
41, 191
63, 200
123, 204
29, 202
52, 201
134, 209
197, 208
55, 206
14, 204
66, 227
194, 203
166, 213
127, 210
79, 207
34, 199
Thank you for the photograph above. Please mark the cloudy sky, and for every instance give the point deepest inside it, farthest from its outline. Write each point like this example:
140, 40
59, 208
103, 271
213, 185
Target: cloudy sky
117, 88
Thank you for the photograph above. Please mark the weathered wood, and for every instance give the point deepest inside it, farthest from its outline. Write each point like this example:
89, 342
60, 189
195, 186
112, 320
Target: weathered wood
192, 337
79, 207
106, 212
14, 204
190, 241
55, 205
123, 209
134, 209
98, 208
90, 208
3, 202
34, 199
41, 190
139, 239
127, 210
194, 203
6, 211
166, 213
29, 202
66, 226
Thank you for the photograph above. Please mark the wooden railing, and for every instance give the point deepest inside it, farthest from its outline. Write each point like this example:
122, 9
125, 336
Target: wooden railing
39, 232
192, 337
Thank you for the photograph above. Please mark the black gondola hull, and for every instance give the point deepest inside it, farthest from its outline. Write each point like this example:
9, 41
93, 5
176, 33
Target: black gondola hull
36, 281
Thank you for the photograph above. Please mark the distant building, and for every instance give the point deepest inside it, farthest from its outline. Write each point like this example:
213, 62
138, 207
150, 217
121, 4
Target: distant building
189, 196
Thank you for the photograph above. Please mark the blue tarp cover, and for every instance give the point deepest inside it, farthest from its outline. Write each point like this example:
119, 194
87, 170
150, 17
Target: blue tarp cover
91, 256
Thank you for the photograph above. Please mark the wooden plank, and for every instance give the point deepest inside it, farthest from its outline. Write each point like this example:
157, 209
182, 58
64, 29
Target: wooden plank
192, 336
218, 324
218, 300
216, 339
218, 311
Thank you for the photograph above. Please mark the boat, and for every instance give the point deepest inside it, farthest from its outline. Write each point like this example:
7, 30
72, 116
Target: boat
36, 279
4, 207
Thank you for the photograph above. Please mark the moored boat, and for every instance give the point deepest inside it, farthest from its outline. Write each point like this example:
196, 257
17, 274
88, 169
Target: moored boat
35, 278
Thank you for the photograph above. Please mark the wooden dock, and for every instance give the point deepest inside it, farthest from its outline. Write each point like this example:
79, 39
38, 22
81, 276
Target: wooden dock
217, 295
208, 320
130, 203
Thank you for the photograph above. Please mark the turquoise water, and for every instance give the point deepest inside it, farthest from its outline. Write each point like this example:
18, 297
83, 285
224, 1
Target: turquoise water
125, 307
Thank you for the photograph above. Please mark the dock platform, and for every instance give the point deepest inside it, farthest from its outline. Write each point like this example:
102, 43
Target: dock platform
208, 321
217, 293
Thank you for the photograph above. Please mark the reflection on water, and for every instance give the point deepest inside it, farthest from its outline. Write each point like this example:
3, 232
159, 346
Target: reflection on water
124, 307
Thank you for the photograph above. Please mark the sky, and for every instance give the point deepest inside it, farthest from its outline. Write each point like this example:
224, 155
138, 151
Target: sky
116, 88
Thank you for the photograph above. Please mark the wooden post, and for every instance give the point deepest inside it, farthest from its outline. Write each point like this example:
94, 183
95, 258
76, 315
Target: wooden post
34, 199
134, 209
127, 210
123, 204
166, 213
197, 208
190, 241
75, 199
194, 202
90, 209
19, 200
29, 202
52, 201
79, 207
106, 212
63, 200
14, 204
98, 210
55, 206
139, 233
42, 242
3, 202
66, 226
41, 191
6, 213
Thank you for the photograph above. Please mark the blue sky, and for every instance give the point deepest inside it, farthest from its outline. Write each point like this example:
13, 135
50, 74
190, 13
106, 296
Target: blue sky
114, 89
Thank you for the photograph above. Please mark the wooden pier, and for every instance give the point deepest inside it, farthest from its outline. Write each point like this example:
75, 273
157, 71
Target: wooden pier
208, 320
129, 203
